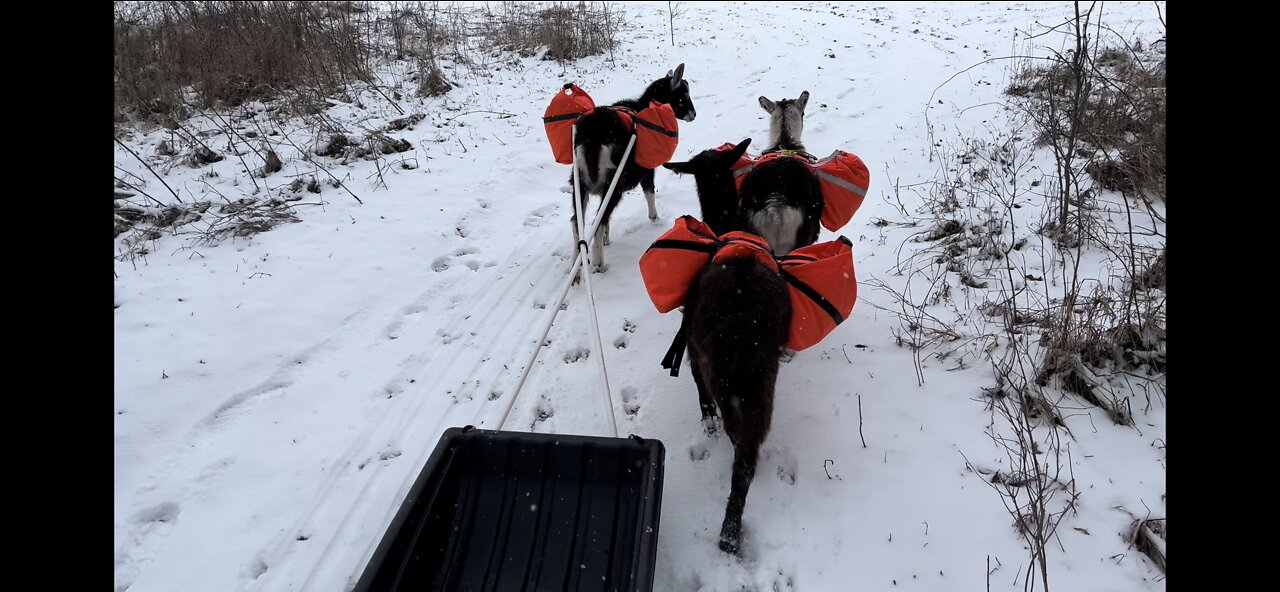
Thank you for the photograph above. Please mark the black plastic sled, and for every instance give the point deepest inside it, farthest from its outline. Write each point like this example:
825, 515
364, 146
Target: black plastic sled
504, 511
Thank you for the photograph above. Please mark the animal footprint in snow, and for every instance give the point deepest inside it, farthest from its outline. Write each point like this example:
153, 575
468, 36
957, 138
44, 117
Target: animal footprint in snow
538, 217
442, 263
447, 338
576, 354
629, 404
542, 413
394, 388
784, 463
620, 342
700, 451
628, 326
786, 475
165, 513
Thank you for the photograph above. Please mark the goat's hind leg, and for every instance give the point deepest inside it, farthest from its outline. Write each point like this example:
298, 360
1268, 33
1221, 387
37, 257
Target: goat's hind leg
646, 184
708, 405
746, 453
602, 234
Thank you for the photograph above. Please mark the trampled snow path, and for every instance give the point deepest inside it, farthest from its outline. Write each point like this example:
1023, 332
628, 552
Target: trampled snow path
276, 396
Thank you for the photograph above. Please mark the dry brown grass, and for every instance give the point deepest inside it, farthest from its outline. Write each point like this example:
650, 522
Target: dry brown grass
226, 52
173, 56
1122, 120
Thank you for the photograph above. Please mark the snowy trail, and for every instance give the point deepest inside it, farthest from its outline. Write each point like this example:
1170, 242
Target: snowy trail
268, 425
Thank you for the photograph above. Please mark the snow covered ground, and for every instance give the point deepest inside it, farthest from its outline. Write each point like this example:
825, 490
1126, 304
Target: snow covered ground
275, 396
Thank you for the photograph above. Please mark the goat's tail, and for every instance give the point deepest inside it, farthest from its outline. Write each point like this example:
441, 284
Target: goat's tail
588, 158
778, 222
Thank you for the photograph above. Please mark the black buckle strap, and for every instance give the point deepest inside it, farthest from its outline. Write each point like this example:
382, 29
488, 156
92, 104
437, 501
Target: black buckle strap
561, 117
813, 295
671, 243
655, 127
676, 352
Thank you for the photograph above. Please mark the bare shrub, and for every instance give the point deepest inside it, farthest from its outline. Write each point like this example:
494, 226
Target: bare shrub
226, 52
567, 30
1108, 104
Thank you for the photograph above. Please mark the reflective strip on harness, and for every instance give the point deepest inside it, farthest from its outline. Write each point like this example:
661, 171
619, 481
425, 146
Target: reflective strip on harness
844, 180
825, 176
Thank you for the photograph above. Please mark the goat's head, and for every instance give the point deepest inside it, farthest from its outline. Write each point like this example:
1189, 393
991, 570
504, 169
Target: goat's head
673, 90
712, 171
786, 120
710, 162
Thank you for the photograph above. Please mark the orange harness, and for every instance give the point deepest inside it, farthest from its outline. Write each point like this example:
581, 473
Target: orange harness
820, 278
843, 176
655, 127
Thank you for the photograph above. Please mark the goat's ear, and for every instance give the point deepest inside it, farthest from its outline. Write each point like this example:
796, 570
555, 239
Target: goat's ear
740, 149
767, 105
676, 76
684, 168
803, 100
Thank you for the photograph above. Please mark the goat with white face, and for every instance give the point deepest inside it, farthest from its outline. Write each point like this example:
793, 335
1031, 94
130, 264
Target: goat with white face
782, 198
786, 122
600, 140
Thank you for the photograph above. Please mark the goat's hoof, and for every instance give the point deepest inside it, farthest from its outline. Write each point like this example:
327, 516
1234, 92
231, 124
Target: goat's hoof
788, 355
603, 267
655, 219
730, 547
710, 426
566, 189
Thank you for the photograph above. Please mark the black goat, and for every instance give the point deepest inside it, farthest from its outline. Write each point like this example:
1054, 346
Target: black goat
739, 314
712, 172
600, 140
782, 198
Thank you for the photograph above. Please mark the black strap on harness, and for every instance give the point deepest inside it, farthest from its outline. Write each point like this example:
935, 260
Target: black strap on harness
561, 117
676, 352
653, 126
635, 120
813, 295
